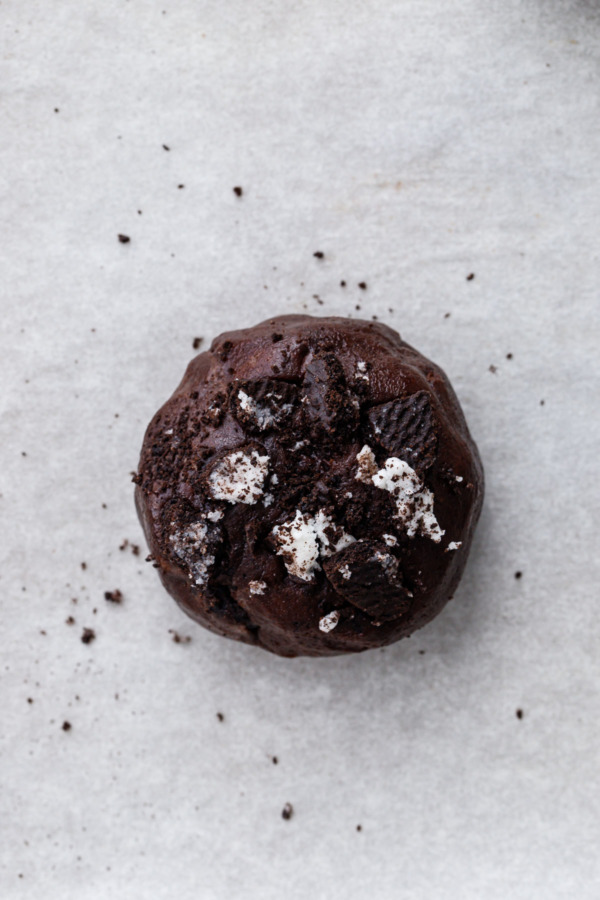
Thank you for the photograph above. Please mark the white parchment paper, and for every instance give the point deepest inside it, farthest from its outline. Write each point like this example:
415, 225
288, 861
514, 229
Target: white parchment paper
413, 143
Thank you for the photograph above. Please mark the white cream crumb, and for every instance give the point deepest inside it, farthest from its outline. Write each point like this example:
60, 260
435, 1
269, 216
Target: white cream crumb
453, 545
298, 445
345, 572
361, 371
267, 499
261, 415
390, 539
303, 539
414, 502
298, 544
274, 478
257, 587
458, 478
239, 478
215, 516
328, 623
188, 544
169, 431
348, 495
367, 465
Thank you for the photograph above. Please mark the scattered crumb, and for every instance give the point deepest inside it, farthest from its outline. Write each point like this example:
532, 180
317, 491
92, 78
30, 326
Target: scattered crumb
113, 596
124, 545
287, 812
70, 621
220, 717
179, 638
180, 187
135, 549
196, 342
42, 631
471, 276
542, 402
123, 238
164, 146
56, 109
357, 306
509, 356
104, 506
446, 315
421, 652
30, 699
274, 760
66, 726
518, 575
88, 636
519, 714
362, 285
359, 827
493, 369
342, 284
238, 191
318, 254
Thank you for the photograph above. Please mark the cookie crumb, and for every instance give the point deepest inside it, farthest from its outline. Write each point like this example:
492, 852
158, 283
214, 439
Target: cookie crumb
164, 146
362, 285
274, 760
519, 714
66, 726
471, 276
196, 342
287, 812
446, 315
238, 191
509, 356
318, 254
518, 575
220, 717
359, 827
30, 699
88, 636
113, 596
179, 638
123, 238
70, 621
493, 369
342, 284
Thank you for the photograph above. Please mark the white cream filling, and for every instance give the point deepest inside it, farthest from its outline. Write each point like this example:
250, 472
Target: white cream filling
239, 478
414, 501
303, 539
257, 587
328, 623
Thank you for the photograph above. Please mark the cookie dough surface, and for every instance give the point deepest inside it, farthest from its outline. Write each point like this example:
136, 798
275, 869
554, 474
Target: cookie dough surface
310, 487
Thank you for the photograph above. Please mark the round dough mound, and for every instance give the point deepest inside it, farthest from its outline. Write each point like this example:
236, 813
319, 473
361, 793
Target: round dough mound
311, 487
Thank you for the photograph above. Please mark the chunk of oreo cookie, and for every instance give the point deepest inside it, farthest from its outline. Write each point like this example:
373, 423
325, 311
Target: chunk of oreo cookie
406, 428
367, 575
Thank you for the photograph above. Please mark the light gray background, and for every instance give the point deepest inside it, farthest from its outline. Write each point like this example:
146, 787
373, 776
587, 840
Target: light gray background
413, 143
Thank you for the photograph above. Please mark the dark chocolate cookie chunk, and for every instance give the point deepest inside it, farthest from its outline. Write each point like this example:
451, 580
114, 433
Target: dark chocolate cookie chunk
366, 575
311, 487
406, 428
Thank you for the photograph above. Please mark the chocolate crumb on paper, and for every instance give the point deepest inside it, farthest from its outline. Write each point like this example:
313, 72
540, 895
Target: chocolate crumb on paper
470, 276
220, 717
238, 191
197, 342
113, 596
66, 726
287, 812
88, 636
123, 238
519, 714
179, 638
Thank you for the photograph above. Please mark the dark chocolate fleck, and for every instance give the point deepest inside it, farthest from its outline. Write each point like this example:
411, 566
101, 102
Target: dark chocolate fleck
519, 714
362, 285
471, 276
287, 812
113, 596
196, 342
318, 254
238, 191
88, 635
66, 726
123, 238
220, 717
518, 575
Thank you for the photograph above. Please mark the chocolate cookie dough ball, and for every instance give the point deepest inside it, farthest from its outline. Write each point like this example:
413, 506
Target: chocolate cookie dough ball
311, 487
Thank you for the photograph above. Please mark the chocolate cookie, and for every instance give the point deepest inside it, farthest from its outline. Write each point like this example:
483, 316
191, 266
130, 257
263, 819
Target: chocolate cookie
310, 487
